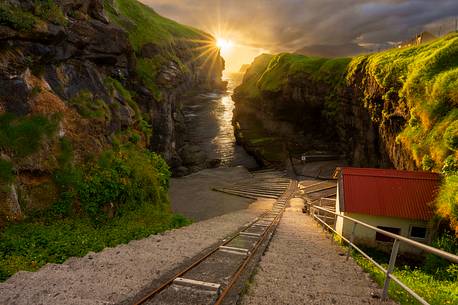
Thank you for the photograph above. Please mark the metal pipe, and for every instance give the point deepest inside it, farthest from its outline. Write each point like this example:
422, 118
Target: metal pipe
448, 256
352, 238
394, 255
394, 252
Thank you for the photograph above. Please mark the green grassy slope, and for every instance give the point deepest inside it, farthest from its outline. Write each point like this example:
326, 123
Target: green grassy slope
248, 89
424, 80
144, 25
271, 73
421, 81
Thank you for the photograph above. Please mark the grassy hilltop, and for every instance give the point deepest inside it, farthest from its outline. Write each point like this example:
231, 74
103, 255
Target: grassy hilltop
423, 80
163, 36
420, 84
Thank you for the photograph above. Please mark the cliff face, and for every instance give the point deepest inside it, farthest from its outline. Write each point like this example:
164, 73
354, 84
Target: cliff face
93, 73
397, 108
309, 95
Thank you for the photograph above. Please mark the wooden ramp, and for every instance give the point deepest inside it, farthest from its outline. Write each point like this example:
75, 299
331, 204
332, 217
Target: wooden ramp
269, 183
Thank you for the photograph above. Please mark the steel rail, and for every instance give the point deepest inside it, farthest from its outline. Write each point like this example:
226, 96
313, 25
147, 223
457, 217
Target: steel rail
283, 198
236, 276
169, 282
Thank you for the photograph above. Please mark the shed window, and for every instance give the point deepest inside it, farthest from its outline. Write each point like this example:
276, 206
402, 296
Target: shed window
418, 232
384, 238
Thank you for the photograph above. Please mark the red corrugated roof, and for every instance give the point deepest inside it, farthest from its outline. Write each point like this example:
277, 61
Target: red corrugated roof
387, 192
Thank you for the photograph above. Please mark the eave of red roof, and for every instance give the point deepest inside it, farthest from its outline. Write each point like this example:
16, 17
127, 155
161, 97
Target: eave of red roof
391, 193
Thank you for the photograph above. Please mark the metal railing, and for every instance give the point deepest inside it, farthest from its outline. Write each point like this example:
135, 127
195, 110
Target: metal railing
313, 209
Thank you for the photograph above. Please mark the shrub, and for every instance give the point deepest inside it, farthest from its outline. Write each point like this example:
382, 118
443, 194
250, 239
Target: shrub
118, 181
438, 267
146, 128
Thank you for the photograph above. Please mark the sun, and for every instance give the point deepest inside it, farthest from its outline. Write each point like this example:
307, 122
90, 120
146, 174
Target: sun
224, 45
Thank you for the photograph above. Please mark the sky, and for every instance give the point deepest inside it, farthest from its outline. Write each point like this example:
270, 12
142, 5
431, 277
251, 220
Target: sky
273, 26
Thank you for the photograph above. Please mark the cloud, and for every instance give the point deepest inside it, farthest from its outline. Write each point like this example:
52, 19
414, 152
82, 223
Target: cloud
286, 25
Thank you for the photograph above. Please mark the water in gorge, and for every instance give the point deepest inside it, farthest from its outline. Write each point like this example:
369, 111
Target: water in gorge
208, 120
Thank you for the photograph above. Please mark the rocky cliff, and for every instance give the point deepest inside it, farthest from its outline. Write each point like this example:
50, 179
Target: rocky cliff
397, 108
95, 75
304, 106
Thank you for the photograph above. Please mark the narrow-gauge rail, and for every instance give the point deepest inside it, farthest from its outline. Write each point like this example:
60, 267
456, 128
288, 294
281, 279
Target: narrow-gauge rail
212, 277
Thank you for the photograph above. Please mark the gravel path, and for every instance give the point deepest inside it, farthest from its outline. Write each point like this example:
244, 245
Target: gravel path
119, 273
301, 266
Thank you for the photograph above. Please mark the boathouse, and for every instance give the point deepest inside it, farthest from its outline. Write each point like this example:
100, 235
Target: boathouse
396, 201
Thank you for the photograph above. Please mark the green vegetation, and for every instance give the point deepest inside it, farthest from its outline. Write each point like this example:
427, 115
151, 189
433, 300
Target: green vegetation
270, 74
16, 18
21, 20
48, 10
22, 136
284, 67
113, 84
91, 107
248, 89
433, 290
33, 243
435, 280
6, 172
115, 198
118, 181
422, 79
144, 25
148, 69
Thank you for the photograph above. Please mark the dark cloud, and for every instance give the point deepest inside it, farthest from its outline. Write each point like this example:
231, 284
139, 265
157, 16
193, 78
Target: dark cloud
287, 25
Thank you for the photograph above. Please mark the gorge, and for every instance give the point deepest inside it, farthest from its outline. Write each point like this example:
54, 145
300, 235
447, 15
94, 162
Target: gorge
102, 102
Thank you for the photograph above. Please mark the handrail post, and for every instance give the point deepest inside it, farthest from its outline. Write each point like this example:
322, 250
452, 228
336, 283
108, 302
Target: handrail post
352, 238
332, 232
394, 255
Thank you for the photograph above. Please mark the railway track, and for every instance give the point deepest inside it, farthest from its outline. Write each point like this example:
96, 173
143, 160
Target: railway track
215, 275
